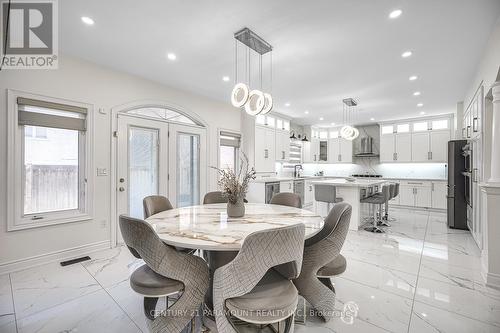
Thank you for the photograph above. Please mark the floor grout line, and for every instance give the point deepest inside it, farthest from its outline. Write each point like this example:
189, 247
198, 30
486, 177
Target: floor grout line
418, 272
13, 303
114, 300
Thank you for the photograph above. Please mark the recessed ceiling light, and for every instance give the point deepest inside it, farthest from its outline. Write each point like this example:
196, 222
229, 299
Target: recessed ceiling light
422, 113
416, 93
420, 105
225, 78
321, 118
87, 20
306, 112
171, 56
413, 78
372, 119
287, 104
424, 314
406, 54
333, 124
395, 13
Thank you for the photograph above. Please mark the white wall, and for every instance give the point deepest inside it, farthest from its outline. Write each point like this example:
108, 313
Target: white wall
82, 81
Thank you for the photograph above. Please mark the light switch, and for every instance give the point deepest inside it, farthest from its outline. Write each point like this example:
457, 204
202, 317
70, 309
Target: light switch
102, 172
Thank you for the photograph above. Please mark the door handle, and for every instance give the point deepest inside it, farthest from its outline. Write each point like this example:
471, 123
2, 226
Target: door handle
121, 189
474, 125
468, 131
283, 154
266, 153
429, 155
339, 158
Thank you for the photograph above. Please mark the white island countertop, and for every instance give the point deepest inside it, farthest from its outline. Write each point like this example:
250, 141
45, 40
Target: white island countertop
342, 182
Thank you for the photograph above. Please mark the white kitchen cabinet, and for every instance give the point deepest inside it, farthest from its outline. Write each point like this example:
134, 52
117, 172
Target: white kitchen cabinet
264, 149
387, 148
403, 147
438, 144
310, 151
282, 146
406, 195
423, 196
339, 150
420, 147
439, 192
308, 193
286, 186
430, 146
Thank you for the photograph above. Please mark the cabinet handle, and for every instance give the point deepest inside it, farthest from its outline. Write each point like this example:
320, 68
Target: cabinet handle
463, 132
396, 156
339, 158
468, 131
429, 156
283, 153
314, 157
474, 125
266, 153
393, 156
415, 183
310, 188
474, 175
432, 187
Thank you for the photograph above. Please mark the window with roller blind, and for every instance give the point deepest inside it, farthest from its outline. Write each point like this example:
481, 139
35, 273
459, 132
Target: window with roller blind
48, 175
229, 150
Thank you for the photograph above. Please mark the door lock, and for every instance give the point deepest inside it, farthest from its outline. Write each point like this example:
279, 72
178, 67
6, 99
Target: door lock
122, 180
121, 189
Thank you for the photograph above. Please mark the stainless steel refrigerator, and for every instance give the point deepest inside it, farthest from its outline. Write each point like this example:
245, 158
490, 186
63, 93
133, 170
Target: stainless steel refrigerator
457, 170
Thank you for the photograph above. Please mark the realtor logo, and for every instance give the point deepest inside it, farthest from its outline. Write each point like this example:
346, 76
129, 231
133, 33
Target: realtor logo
29, 34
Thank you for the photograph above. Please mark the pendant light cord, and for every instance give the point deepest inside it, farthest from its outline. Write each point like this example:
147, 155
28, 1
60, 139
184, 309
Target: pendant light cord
7, 24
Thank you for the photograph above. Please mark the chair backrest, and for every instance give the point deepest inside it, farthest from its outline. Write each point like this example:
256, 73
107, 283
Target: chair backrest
155, 204
392, 191
214, 197
396, 190
325, 193
336, 224
386, 192
287, 199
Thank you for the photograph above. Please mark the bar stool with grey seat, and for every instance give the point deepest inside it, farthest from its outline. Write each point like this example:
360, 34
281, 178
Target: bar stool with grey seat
322, 260
287, 199
250, 291
394, 194
167, 271
327, 194
379, 199
155, 204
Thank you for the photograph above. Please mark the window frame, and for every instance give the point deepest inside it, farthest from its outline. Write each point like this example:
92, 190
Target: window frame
16, 219
237, 150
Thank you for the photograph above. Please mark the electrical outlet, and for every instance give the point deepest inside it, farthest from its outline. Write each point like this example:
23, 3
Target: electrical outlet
102, 172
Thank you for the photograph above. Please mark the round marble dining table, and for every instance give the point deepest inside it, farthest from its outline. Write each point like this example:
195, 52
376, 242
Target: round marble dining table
208, 228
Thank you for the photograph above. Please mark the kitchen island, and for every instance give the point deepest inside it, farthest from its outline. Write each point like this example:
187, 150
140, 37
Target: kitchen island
352, 192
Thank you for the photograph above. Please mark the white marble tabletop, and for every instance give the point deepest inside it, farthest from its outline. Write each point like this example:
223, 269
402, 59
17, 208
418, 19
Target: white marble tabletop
341, 182
207, 227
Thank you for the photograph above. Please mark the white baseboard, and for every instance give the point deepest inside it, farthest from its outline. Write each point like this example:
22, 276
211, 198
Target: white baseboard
492, 280
41, 259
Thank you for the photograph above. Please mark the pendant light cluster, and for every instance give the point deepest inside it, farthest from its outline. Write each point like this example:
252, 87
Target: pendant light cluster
348, 132
255, 101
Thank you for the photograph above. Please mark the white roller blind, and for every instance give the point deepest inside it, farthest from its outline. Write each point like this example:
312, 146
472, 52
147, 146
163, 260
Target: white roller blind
230, 139
33, 112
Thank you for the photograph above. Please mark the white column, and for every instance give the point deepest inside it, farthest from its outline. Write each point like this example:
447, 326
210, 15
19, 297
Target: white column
495, 135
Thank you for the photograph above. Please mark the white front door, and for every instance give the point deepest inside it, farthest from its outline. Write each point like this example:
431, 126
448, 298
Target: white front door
142, 162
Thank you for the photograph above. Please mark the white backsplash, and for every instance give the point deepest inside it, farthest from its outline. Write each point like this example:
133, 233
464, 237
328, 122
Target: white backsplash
388, 170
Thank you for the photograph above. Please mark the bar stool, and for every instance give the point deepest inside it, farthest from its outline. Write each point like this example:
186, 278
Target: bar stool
394, 194
327, 194
378, 199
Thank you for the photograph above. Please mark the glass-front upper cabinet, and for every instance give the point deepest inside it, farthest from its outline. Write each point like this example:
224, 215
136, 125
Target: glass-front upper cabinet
264, 120
403, 128
420, 126
387, 129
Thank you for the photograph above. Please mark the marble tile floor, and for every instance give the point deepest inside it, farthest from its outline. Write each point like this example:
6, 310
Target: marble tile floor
420, 276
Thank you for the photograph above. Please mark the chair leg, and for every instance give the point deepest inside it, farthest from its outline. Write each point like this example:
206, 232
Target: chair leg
375, 228
150, 307
383, 221
288, 323
328, 283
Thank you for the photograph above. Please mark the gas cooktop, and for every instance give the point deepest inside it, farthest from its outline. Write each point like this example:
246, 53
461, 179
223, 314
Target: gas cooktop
367, 176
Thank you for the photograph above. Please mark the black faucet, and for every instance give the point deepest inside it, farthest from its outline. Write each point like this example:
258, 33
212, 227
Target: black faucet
296, 169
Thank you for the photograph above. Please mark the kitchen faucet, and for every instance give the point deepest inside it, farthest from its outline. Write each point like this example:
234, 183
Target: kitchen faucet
296, 170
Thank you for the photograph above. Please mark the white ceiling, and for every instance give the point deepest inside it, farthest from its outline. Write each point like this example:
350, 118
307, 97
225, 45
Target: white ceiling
324, 50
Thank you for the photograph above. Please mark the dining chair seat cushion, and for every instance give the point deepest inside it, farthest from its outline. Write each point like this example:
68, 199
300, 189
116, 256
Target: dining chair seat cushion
273, 299
148, 283
335, 267
339, 199
376, 199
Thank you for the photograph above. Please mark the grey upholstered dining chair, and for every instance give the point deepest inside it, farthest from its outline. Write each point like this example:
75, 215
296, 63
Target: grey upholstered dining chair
287, 199
155, 204
320, 252
215, 198
249, 290
168, 271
